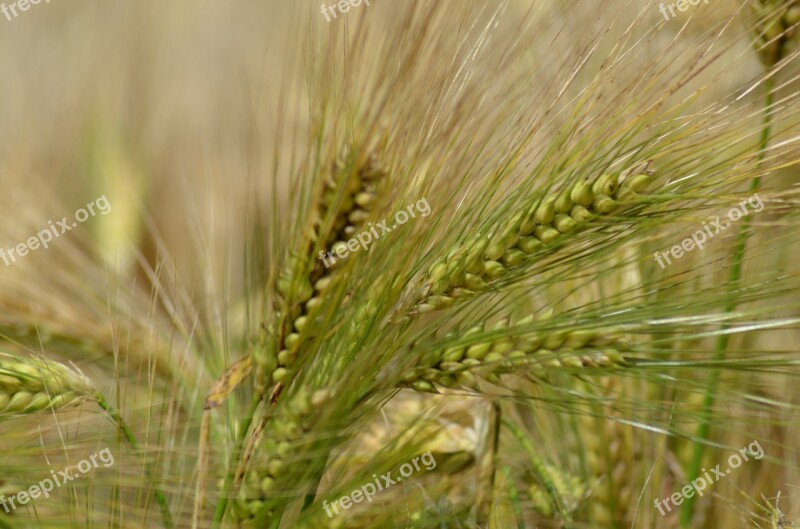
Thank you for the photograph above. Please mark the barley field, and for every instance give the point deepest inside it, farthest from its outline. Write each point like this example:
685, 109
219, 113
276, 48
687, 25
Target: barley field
373, 264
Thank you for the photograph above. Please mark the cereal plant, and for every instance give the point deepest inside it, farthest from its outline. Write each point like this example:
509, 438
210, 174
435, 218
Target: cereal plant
400, 264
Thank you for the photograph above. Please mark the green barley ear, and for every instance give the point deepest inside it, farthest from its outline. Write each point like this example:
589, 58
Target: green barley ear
348, 198
458, 363
569, 488
267, 474
611, 455
32, 385
348, 201
775, 29
525, 235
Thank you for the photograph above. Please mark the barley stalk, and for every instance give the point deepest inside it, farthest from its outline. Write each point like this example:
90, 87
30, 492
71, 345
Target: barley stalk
568, 490
478, 111
486, 464
735, 274
130, 438
543, 472
31, 385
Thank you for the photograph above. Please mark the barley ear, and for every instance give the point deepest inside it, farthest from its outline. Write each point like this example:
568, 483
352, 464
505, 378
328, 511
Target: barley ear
775, 29
270, 472
32, 385
471, 266
454, 364
611, 457
348, 201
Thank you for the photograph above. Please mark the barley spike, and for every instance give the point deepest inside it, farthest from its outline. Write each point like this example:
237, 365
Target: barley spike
30, 385
487, 257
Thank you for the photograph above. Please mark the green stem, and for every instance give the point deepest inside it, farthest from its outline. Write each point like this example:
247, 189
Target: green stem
131, 439
541, 470
233, 463
722, 339
314, 487
514, 495
487, 468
